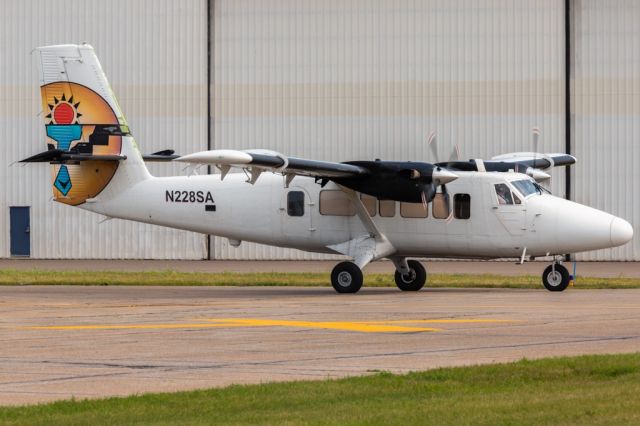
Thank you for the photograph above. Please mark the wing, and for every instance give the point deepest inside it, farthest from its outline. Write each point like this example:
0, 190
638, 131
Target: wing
537, 161
529, 163
264, 160
407, 181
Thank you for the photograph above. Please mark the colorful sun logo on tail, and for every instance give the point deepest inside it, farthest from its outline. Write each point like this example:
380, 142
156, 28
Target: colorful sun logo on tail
63, 111
64, 129
78, 119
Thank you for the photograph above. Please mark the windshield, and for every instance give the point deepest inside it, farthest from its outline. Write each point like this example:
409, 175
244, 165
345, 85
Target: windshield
526, 187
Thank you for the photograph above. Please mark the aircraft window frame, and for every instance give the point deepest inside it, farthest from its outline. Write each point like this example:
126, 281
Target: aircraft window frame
516, 198
505, 202
367, 201
384, 206
414, 210
295, 206
531, 191
435, 205
462, 208
333, 209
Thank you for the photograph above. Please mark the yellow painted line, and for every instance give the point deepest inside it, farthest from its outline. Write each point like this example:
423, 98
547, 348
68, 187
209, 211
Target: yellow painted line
448, 321
389, 326
126, 326
364, 327
361, 327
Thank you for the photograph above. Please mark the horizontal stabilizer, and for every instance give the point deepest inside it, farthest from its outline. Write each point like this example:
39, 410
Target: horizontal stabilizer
164, 155
60, 156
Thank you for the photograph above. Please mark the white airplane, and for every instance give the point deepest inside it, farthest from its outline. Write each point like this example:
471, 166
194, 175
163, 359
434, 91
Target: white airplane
366, 210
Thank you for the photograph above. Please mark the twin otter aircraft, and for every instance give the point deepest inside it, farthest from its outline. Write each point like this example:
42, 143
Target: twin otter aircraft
366, 210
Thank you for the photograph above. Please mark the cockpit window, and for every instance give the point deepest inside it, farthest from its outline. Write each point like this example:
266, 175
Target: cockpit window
504, 194
525, 186
516, 199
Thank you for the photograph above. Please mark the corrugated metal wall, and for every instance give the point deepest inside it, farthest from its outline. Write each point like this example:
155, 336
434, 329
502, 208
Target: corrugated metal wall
341, 80
155, 55
334, 80
606, 112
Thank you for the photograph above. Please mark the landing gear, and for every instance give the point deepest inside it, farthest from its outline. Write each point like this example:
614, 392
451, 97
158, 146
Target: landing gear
413, 279
555, 277
346, 277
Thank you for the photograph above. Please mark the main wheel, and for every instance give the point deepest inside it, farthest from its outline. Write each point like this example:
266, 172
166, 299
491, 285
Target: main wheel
346, 277
557, 280
414, 280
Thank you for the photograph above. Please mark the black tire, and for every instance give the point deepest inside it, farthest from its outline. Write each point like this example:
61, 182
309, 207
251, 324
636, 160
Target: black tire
557, 282
416, 278
346, 277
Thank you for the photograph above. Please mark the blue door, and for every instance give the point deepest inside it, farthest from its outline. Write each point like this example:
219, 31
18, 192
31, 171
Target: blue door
20, 232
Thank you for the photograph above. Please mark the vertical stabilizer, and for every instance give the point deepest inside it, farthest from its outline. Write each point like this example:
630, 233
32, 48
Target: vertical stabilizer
82, 116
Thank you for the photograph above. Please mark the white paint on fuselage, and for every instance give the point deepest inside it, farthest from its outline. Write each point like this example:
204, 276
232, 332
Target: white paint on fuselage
542, 223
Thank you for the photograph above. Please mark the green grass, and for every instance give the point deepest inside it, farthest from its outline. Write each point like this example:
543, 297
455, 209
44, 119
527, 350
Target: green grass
580, 390
173, 278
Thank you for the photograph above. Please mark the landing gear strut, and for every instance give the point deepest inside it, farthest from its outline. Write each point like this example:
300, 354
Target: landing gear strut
410, 277
555, 277
346, 277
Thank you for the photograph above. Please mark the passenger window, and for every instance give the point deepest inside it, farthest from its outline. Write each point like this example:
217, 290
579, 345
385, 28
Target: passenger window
441, 206
295, 203
387, 208
462, 206
336, 203
416, 210
503, 193
369, 203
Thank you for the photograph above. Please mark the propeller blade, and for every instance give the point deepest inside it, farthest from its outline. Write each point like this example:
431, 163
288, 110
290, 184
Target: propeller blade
431, 142
536, 137
428, 193
424, 200
445, 195
455, 153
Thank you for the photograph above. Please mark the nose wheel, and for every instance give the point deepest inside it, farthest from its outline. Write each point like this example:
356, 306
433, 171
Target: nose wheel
346, 277
414, 279
556, 277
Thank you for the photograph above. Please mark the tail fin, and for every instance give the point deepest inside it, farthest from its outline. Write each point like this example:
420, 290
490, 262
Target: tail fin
84, 125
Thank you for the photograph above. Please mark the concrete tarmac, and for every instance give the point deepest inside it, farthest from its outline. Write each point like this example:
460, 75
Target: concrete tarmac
89, 342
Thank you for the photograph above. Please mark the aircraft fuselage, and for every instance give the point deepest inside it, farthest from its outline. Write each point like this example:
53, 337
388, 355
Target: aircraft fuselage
232, 208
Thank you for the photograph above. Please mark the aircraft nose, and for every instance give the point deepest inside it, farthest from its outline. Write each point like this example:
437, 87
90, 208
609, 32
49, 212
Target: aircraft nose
621, 231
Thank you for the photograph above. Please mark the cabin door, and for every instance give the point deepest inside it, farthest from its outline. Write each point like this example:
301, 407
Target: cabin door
509, 209
297, 215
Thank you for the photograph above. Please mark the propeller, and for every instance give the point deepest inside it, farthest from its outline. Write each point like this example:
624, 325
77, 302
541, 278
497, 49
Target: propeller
536, 136
455, 153
538, 175
433, 146
439, 177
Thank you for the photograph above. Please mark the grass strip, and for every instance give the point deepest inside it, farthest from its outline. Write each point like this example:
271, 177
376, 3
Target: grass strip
174, 278
582, 390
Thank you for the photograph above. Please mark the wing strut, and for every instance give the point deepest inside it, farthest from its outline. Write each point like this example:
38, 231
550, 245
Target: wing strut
365, 248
